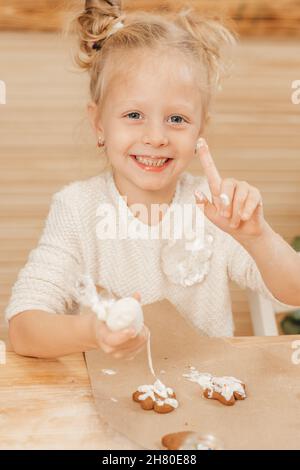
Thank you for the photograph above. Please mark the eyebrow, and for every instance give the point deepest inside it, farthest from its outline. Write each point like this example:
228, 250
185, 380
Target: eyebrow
142, 103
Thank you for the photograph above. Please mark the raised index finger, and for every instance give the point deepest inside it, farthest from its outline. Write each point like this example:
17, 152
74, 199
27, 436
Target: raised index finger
213, 177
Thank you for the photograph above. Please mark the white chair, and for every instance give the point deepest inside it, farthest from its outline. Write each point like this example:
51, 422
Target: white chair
263, 314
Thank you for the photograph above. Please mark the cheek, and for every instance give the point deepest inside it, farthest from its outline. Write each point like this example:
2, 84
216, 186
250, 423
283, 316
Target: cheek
186, 150
119, 144
185, 140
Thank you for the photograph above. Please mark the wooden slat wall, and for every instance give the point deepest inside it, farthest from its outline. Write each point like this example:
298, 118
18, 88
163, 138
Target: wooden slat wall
46, 142
251, 17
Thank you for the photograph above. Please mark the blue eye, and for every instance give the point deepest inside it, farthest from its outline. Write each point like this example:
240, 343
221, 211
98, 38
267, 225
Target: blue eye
135, 113
180, 117
130, 114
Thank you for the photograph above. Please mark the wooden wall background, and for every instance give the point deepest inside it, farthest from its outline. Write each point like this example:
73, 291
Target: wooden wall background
46, 141
250, 17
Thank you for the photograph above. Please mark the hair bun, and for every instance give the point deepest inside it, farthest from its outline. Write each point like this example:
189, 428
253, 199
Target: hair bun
102, 3
92, 27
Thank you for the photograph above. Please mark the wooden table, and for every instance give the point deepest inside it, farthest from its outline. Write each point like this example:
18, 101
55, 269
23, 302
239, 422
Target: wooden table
48, 403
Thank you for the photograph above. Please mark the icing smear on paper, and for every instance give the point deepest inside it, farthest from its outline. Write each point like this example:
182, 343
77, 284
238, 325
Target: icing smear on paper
108, 371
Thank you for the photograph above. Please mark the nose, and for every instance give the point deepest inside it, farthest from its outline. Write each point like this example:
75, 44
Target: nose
155, 136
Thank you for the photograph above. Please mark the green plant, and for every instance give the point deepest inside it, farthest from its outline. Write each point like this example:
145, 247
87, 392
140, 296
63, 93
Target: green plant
296, 243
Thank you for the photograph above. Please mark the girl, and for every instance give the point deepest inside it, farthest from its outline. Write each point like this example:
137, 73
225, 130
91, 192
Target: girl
152, 78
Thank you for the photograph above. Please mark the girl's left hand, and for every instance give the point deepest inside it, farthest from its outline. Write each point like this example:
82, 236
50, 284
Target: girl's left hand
236, 207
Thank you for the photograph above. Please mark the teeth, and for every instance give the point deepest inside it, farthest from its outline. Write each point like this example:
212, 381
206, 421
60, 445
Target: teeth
151, 162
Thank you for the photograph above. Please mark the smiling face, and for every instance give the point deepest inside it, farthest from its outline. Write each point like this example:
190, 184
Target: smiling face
153, 111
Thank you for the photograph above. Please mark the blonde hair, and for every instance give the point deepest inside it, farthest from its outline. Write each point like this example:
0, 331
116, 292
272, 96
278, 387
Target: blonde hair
200, 39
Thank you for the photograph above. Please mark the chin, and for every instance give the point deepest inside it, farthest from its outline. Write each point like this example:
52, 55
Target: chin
151, 185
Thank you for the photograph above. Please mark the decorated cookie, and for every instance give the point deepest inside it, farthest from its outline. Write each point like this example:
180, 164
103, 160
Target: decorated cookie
224, 389
175, 440
190, 440
156, 397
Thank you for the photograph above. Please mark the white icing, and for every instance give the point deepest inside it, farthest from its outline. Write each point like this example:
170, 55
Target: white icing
150, 356
164, 393
88, 296
125, 313
172, 402
108, 371
204, 380
118, 314
160, 402
168, 401
225, 199
147, 392
226, 386
202, 447
192, 442
161, 389
187, 262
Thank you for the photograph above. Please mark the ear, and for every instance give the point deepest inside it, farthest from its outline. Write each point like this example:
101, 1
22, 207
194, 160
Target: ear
94, 118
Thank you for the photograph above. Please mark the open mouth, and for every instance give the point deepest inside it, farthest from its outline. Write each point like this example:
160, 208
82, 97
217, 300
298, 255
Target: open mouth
151, 163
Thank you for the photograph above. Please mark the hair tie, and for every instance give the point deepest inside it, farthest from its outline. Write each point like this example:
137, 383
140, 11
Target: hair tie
119, 25
115, 28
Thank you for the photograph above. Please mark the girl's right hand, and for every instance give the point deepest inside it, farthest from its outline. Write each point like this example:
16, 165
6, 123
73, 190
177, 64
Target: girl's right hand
123, 344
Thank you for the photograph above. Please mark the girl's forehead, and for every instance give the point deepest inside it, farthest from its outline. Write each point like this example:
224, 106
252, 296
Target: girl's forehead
163, 67
154, 76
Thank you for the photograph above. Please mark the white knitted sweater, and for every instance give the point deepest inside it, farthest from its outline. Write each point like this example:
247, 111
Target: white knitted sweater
195, 282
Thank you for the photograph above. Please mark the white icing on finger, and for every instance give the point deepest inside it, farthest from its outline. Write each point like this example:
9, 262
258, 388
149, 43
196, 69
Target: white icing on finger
225, 199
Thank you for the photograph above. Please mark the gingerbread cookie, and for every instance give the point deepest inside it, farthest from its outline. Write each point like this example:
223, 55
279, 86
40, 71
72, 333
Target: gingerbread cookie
175, 440
156, 397
185, 440
224, 389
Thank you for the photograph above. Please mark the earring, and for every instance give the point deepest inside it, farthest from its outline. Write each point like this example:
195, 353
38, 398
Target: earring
100, 142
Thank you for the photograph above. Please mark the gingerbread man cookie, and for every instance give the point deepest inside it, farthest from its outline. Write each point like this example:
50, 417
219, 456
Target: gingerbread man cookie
156, 397
225, 389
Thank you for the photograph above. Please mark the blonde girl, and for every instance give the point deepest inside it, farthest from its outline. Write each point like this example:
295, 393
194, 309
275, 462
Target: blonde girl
152, 79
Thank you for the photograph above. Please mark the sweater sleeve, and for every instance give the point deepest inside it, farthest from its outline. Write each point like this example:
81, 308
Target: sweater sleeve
47, 280
243, 270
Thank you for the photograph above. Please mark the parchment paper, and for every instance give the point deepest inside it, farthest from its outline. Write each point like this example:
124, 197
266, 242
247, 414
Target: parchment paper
268, 419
